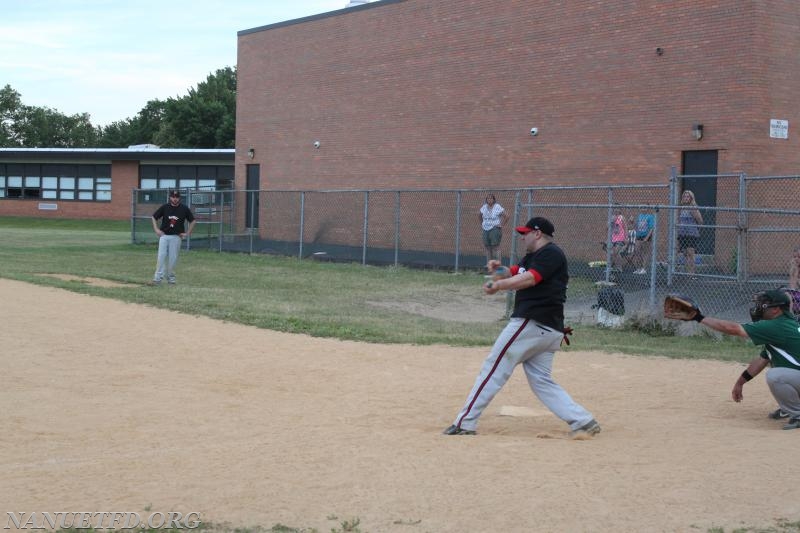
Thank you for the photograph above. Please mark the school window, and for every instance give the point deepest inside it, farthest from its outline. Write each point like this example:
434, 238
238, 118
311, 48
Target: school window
14, 189
56, 182
184, 177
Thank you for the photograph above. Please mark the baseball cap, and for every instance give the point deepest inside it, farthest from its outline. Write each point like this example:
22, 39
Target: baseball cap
777, 298
175, 193
540, 223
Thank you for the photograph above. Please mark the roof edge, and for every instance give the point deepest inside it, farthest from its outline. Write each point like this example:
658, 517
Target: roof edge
319, 16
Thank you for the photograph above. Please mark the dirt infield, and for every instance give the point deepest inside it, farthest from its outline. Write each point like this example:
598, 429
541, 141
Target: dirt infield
110, 406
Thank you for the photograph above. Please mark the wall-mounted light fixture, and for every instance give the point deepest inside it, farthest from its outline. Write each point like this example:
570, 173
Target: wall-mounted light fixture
659, 51
317, 144
251, 153
697, 131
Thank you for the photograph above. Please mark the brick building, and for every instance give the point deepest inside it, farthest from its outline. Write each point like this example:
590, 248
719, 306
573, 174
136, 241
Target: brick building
445, 93
98, 183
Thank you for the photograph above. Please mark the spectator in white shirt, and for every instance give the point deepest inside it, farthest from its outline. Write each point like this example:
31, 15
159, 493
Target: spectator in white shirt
493, 217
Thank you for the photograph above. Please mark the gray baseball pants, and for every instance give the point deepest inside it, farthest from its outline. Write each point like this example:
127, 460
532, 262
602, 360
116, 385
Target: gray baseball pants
168, 248
784, 383
522, 341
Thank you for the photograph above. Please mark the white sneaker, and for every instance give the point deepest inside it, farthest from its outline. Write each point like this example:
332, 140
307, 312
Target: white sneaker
640, 271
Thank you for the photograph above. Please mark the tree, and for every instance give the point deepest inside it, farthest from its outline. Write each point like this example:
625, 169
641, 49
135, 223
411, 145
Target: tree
10, 107
46, 127
206, 118
23, 126
141, 129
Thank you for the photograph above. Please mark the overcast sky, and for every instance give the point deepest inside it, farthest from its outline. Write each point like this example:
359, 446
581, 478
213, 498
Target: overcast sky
108, 58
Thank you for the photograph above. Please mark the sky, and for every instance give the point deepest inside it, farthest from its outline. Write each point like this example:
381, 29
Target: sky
109, 58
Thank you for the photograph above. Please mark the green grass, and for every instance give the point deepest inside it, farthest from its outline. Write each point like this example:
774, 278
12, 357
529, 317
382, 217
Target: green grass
345, 301
352, 526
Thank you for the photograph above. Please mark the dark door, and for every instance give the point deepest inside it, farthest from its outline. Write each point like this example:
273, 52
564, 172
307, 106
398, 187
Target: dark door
253, 186
702, 163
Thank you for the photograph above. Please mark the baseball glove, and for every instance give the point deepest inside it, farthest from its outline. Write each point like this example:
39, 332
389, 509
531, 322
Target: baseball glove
567, 331
677, 307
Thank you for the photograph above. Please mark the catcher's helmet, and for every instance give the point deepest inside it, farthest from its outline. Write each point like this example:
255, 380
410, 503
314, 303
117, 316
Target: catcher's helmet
766, 299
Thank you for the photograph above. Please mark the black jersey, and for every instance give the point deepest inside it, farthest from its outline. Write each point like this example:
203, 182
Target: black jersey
544, 302
173, 218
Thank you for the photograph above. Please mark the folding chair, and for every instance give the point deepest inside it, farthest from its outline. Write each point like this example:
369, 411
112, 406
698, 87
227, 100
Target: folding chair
628, 251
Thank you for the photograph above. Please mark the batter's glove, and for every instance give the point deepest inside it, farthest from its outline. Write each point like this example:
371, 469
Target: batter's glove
677, 307
567, 331
500, 272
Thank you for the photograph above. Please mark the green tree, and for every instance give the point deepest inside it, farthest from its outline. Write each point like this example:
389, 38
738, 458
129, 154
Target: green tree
10, 107
46, 127
23, 126
205, 118
141, 129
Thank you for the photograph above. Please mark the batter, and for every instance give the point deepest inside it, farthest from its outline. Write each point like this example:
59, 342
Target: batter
532, 336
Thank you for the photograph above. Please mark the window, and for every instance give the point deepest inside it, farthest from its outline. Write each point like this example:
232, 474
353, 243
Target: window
15, 187
49, 183
56, 182
49, 187
103, 189
32, 181
187, 177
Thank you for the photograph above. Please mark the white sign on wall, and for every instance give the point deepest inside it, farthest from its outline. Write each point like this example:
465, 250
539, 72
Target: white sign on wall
778, 129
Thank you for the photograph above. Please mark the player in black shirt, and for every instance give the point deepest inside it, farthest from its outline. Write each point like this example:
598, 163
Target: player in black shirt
171, 230
532, 336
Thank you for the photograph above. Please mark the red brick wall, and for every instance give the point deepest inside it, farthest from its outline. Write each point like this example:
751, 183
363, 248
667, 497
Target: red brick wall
419, 93
124, 178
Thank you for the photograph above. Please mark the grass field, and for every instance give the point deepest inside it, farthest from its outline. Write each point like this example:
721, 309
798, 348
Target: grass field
345, 301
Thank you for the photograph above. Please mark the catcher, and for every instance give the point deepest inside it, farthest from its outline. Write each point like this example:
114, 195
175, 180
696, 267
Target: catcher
773, 327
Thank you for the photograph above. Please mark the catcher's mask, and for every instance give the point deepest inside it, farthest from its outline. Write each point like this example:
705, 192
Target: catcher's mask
765, 300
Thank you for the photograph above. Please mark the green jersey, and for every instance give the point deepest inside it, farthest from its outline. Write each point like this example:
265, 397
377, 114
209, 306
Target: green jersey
780, 338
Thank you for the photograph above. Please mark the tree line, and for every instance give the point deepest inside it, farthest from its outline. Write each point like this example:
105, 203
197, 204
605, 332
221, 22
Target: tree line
204, 118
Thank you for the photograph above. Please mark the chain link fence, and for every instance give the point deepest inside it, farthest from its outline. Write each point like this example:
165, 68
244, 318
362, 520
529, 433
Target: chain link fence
749, 231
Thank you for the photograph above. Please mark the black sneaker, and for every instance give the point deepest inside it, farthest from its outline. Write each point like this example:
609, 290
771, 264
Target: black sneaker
778, 414
455, 430
794, 423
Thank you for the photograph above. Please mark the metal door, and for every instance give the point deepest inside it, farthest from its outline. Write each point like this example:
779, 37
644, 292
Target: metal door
253, 186
703, 163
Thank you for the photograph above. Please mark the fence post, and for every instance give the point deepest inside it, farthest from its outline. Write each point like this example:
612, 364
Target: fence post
458, 228
249, 200
673, 201
609, 230
396, 228
653, 260
512, 259
366, 229
221, 216
189, 205
302, 222
133, 216
741, 232
530, 205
